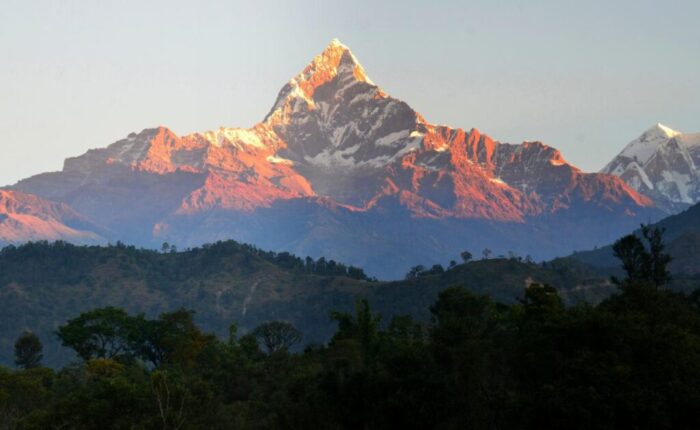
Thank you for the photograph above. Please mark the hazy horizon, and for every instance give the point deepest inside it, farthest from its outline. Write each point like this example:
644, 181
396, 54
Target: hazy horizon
584, 78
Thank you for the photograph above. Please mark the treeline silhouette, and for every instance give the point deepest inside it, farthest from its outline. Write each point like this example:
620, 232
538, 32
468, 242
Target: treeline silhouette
73, 257
632, 361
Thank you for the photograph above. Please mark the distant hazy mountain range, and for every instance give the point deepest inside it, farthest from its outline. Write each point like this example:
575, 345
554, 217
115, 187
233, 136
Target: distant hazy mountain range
338, 168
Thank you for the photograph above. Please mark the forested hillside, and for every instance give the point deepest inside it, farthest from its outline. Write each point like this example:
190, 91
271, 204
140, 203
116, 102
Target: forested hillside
632, 361
42, 285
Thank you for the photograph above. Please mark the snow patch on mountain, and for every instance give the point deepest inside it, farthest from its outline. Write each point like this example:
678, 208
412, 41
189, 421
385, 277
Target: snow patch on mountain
392, 138
236, 136
279, 160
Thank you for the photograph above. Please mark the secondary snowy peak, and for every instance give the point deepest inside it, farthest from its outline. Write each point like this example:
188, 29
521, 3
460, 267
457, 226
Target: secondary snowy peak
663, 164
642, 148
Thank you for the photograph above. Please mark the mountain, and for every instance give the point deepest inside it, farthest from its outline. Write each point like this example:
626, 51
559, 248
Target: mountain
42, 285
26, 217
340, 168
682, 238
663, 164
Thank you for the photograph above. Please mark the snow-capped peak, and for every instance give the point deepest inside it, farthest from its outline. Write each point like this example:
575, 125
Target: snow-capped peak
659, 128
337, 43
643, 148
662, 163
336, 61
334, 53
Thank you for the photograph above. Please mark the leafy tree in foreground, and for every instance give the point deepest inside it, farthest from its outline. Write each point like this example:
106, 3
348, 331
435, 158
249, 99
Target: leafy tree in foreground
28, 351
470, 376
173, 338
644, 263
277, 335
542, 298
635, 259
171, 397
658, 259
361, 330
101, 333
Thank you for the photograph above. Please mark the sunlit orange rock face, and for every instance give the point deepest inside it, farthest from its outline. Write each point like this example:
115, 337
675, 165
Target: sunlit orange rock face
26, 217
333, 147
240, 167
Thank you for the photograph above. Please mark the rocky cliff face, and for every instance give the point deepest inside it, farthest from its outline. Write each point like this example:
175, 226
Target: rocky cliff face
336, 167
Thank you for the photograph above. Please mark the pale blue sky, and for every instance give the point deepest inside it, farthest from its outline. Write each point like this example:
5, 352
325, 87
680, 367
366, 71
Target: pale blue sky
583, 76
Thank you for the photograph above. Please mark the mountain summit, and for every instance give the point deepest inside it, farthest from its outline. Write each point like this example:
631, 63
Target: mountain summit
340, 168
336, 61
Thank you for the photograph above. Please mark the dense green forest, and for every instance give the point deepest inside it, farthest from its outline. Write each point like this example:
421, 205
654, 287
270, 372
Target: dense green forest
44, 284
630, 361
